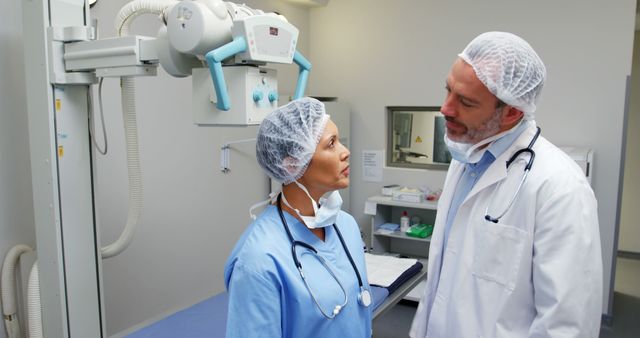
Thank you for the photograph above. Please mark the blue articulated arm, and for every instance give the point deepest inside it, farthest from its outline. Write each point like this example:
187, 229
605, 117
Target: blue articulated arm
214, 60
303, 75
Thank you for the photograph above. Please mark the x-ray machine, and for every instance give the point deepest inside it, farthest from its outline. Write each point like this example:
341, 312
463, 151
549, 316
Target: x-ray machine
222, 45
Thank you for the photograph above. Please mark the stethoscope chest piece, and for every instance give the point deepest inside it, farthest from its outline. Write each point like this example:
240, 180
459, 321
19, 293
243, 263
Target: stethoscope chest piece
364, 297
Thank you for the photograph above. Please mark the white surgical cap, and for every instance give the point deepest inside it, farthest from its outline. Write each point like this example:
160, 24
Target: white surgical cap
288, 137
508, 67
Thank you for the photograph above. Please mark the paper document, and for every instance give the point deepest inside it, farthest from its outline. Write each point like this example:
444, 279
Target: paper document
370, 208
384, 270
372, 166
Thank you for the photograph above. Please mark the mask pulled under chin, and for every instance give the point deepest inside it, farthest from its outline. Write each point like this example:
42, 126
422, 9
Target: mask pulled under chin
270, 200
325, 215
470, 153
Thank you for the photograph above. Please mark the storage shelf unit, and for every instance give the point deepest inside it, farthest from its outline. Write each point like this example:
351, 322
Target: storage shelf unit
398, 243
390, 211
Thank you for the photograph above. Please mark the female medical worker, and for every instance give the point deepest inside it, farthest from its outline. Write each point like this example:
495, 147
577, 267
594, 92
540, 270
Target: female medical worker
276, 288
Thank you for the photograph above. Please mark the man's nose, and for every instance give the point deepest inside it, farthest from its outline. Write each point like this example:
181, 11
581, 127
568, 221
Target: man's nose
448, 106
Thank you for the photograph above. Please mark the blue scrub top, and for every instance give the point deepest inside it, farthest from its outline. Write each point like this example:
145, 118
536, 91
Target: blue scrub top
267, 297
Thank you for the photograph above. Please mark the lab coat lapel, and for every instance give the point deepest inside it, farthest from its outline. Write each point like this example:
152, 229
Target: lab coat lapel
497, 171
455, 170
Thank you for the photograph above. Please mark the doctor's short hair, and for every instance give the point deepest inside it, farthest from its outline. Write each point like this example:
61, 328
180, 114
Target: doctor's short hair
288, 137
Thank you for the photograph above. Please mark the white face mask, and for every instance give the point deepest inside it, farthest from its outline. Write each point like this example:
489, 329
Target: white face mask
469, 153
325, 215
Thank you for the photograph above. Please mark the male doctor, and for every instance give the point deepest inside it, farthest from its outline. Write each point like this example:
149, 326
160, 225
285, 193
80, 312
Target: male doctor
507, 261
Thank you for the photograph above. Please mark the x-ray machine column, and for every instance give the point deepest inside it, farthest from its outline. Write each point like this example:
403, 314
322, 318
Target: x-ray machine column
61, 162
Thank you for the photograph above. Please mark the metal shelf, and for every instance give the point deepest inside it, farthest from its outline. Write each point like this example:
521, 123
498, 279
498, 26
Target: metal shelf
399, 234
386, 200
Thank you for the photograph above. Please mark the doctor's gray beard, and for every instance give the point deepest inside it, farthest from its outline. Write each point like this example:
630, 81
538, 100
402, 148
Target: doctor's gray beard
489, 128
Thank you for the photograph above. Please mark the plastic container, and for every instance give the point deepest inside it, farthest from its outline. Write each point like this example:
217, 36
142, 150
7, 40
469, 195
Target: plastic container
404, 222
414, 220
387, 190
420, 230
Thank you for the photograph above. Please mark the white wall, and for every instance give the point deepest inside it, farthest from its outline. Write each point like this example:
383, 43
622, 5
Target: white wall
193, 214
16, 205
629, 238
393, 53
398, 53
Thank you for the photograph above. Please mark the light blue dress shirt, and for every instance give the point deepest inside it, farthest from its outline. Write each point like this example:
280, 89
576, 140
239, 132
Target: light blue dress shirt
267, 297
473, 171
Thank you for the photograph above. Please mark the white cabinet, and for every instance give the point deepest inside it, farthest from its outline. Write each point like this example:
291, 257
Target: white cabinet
390, 211
583, 157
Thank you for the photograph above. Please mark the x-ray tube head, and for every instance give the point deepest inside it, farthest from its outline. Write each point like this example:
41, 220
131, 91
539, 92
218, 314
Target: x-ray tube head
173, 61
193, 28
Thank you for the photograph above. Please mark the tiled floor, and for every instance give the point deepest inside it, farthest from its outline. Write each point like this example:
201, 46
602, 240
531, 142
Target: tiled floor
626, 308
626, 301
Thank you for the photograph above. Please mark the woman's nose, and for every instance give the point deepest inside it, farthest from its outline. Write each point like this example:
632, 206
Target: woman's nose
346, 154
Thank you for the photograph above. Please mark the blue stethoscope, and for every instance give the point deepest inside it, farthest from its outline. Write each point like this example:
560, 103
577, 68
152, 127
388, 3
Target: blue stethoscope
527, 168
364, 296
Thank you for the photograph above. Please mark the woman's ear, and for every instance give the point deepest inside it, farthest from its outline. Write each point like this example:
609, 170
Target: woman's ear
290, 164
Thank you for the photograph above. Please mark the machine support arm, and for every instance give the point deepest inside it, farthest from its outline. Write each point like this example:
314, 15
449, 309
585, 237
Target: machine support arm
303, 75
214, 60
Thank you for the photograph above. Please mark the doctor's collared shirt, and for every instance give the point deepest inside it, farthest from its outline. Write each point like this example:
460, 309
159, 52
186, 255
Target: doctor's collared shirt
472, 173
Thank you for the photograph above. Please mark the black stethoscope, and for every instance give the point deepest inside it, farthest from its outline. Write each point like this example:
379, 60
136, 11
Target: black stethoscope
364, 296
527, 168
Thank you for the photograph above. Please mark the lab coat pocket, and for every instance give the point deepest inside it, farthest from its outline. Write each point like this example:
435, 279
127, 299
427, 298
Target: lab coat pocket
497, 253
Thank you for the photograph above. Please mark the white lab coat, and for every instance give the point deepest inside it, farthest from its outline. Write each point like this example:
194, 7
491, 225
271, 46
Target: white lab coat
537, 273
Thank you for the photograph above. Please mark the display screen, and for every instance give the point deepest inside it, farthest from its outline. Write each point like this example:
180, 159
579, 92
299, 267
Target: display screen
273, 31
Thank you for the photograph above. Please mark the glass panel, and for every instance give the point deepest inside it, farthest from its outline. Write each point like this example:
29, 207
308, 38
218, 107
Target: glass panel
416, 138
